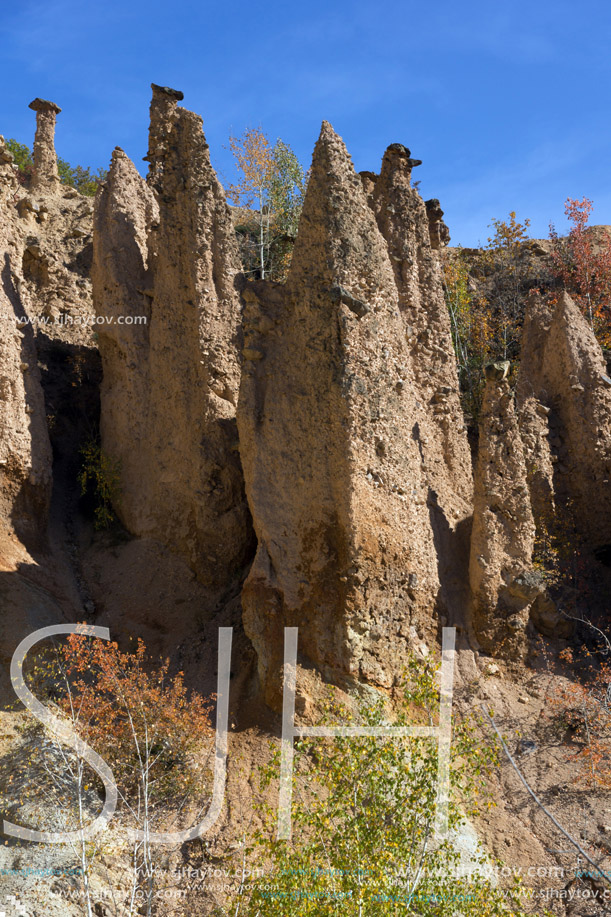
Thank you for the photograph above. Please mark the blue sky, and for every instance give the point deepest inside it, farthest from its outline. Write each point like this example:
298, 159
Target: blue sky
507, 104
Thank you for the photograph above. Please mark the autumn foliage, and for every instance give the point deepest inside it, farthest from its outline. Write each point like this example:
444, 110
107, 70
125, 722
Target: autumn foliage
583, 267
153, 734
129, 711
486, 297
270, 191
486, 291
581, 707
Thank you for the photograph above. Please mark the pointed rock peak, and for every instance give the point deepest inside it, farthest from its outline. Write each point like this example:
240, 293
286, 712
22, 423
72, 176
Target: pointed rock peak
118, 156
123, 211
331, 159
570, 330
338, 239
566, 307
566, 299
164, 112
538, 312
569, 324
537, 320
327, 132
122, 170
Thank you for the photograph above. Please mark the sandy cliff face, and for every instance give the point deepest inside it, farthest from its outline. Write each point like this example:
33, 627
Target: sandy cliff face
534, 413
563, 370
414, 234
503, 534
125, 209
333, 433
356, 463
404, 222
167, 251
25, 452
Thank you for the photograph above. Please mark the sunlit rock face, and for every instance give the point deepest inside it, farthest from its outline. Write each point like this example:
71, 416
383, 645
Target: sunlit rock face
335, 424
165, 249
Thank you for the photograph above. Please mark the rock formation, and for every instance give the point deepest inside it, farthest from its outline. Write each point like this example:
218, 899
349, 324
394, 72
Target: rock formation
502, 583
535, 432
46, 174
438, 231
25, 452
533, 413
412, 233
166, 251
564, 371
339, 438
404, 222
56, 224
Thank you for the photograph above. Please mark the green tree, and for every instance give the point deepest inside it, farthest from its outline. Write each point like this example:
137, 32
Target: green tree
83, 178
80, 177
100, 476
362, 842
470, 331
507, 268
270, 191
23, 159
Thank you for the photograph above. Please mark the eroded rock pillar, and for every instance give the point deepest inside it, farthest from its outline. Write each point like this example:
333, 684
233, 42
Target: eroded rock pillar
500, 572
46, 175
330, 420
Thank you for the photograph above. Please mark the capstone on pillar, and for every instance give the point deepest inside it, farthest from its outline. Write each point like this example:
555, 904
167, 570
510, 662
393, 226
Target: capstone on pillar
46, 174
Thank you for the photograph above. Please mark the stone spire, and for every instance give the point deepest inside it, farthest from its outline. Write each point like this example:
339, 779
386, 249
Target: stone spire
503, 535
404, 221
46, 175
166, 250
564, 369
25, 450
163, 117
328, 420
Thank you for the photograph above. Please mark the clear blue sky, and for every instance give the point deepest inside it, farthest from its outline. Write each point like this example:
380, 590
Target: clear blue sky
506, 103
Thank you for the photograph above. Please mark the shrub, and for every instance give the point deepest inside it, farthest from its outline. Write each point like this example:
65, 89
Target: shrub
152, 733
362, 840
81, 178
23, 160
100, 476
